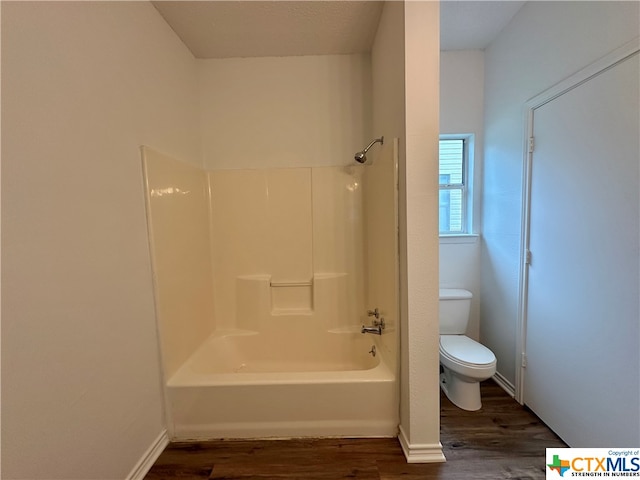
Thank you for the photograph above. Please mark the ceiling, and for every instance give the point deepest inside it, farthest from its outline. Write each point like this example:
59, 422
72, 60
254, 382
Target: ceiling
223, 29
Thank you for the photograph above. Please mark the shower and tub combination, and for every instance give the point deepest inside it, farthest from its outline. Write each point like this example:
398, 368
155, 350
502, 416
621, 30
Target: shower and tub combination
261, 281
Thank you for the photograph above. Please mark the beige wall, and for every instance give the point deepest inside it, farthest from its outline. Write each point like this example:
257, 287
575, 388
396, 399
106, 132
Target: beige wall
84, 84
381, 234
381, 195
284, 111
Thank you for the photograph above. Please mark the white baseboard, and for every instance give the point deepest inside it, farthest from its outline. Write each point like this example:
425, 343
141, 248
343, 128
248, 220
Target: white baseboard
504, 384
149, 457
420, 453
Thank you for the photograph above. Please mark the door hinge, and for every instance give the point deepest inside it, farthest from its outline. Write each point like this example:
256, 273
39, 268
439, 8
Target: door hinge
524, 360
527, 257
531, 144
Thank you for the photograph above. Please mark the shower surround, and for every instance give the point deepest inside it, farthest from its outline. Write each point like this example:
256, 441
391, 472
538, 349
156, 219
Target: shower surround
260, 280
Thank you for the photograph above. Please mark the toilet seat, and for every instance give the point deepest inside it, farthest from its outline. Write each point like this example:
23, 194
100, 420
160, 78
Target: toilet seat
463, 351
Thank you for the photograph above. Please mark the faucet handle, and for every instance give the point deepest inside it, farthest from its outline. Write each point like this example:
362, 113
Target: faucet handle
373, 313
379, 323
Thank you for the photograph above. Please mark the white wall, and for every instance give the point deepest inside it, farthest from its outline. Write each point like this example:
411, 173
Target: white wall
545, 43
462, 112
406, 99
284, 111
405, 85
84, 84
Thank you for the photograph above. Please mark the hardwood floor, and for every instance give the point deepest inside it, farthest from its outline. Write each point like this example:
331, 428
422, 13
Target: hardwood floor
501, 441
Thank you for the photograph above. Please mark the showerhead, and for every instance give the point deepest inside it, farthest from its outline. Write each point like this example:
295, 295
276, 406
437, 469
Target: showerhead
361, 157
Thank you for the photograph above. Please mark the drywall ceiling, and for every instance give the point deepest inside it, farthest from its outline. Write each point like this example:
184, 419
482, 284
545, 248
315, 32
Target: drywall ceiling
222, 29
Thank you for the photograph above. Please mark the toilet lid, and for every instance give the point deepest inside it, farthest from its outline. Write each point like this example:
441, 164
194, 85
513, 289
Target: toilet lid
462, 349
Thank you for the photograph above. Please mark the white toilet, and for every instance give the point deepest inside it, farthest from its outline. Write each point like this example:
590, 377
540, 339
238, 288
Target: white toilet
465, 363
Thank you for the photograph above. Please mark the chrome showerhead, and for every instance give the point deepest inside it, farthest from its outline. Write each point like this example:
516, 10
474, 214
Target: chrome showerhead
361, 157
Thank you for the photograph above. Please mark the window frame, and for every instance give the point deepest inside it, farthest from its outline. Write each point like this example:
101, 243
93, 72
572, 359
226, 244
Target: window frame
466, 187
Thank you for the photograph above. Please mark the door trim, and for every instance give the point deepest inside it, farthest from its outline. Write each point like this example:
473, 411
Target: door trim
596, 68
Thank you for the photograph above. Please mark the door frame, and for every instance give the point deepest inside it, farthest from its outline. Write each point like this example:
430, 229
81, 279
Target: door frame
596, 68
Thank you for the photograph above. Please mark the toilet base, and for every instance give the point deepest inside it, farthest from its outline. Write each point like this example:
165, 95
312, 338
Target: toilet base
463, 394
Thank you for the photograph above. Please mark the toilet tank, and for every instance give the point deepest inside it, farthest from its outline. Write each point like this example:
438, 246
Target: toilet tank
455, 304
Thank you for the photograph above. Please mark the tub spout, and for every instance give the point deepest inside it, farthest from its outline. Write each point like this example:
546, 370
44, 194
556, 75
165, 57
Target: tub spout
375, 330
378, 326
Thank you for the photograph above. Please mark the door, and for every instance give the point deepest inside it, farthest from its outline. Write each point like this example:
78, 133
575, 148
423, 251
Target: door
582, 302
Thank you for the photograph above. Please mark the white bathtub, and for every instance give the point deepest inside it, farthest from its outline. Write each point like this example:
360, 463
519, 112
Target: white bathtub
252, 385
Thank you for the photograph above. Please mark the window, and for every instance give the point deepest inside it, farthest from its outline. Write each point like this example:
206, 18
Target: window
454, 169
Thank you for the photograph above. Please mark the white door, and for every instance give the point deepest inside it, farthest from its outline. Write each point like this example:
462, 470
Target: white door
582, 374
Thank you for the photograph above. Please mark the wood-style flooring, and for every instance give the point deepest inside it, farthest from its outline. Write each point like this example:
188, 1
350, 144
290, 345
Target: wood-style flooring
501, 441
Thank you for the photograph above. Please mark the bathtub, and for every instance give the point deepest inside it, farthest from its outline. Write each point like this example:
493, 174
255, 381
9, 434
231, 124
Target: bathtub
258, 385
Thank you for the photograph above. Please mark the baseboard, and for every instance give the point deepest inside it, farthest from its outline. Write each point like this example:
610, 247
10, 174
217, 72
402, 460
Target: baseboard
420, 453
302, 429
149, 457
504, 384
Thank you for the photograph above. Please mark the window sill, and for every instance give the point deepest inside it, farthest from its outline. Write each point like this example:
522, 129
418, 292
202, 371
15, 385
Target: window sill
463, 238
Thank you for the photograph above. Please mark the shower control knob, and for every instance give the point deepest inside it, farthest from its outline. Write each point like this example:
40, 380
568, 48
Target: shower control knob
373, 313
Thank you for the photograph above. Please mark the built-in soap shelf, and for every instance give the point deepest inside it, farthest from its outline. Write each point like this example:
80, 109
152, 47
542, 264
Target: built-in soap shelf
322, 298
290, 284
232, 332
291, 297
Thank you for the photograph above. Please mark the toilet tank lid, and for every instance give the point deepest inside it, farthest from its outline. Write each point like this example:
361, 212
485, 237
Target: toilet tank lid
454, 294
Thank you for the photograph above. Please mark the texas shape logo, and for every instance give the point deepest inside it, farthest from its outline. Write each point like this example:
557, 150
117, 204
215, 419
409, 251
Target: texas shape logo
558, 465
